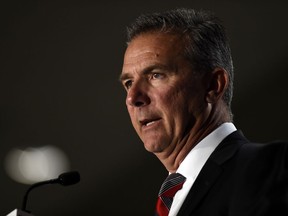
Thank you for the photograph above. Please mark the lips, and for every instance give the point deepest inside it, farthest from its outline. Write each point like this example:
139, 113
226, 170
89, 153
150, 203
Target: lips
148, 122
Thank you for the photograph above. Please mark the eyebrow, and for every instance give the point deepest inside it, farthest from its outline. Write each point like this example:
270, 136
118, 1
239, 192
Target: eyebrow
123, 76
147, 70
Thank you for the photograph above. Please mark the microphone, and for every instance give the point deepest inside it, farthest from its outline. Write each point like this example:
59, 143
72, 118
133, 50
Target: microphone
65, 179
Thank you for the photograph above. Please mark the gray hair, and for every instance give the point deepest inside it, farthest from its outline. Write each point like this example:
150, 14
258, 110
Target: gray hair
206, 43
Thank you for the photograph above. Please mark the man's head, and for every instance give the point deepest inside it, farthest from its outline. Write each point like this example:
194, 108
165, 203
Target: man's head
206, 43
175, 82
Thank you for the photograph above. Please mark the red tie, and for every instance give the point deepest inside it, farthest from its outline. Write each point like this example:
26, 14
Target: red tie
171, 185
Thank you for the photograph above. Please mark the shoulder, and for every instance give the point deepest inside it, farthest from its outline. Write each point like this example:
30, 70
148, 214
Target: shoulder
271, 154
244, 145
274, 147
236, 148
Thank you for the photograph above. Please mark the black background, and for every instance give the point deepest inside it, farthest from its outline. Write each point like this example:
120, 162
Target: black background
59, 69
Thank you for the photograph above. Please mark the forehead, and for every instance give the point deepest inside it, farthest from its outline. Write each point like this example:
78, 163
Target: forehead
152, 47
155, 39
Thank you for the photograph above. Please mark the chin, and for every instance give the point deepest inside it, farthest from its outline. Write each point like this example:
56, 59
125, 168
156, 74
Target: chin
153, 147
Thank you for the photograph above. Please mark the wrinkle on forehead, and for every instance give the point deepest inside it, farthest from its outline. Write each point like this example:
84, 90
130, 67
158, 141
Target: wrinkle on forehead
167, 42
151, 46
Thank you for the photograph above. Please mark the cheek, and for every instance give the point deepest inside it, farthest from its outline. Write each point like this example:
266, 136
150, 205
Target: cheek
133, 119
131, 113
175, 105
183, 105
178, 100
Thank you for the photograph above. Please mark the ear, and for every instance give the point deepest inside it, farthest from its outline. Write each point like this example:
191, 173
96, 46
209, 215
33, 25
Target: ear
217, 84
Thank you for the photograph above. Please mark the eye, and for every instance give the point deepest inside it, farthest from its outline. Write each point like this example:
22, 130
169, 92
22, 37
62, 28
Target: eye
157, 76
127, 84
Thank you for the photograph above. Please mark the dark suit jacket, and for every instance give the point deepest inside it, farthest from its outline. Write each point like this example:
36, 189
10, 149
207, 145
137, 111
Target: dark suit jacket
241, 179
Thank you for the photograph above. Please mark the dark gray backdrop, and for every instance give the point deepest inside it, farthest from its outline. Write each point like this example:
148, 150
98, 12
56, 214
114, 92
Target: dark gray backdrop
59, 69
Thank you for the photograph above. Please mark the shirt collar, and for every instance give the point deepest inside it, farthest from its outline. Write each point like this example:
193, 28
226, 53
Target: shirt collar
196, 158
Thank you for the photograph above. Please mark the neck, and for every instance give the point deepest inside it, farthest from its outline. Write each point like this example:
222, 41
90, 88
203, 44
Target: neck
172, 158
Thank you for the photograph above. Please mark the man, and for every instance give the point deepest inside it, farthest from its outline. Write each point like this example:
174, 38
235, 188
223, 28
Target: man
178, 75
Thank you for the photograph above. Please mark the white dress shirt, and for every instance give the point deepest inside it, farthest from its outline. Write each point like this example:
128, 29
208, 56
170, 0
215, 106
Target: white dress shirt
195, 160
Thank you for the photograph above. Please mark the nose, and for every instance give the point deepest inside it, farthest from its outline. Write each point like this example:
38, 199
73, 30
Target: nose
137, 96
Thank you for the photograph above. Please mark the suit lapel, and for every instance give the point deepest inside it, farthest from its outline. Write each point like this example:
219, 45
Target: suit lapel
211, 171
200, 188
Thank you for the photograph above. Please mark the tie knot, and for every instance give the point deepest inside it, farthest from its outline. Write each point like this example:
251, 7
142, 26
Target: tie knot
171, 185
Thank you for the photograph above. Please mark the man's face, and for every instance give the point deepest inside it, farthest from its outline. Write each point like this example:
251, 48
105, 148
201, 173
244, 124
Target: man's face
165, 99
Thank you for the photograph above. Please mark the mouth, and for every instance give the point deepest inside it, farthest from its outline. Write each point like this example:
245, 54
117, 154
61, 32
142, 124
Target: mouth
148, 122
